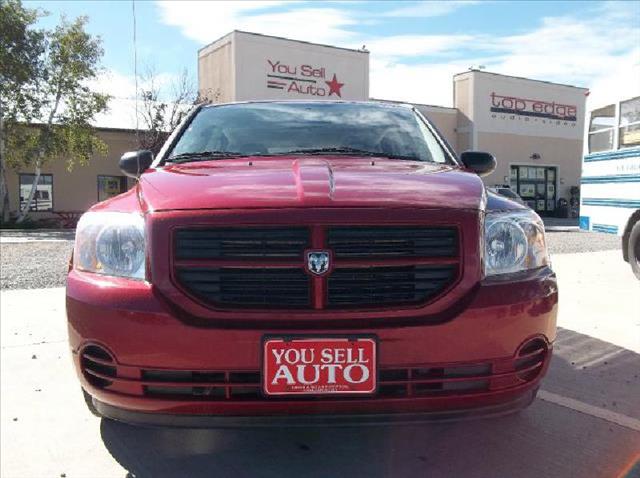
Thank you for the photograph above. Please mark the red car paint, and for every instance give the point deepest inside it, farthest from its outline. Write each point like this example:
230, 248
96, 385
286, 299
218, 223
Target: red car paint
499, 329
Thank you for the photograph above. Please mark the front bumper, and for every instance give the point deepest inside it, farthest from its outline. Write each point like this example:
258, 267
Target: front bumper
473, 362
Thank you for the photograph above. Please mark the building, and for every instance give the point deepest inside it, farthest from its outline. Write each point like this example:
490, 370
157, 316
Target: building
534, 128
63, 194
245, 66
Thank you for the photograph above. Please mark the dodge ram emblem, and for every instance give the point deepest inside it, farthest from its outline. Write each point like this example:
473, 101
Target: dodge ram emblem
318, 262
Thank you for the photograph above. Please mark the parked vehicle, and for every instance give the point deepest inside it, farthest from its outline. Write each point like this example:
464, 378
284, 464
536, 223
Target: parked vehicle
508, 193
610, 186
314, 261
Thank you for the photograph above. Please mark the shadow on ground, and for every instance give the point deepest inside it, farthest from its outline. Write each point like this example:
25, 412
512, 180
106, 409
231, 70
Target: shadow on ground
545, 440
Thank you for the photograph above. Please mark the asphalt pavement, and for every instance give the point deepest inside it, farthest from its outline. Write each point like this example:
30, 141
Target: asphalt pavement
585, 423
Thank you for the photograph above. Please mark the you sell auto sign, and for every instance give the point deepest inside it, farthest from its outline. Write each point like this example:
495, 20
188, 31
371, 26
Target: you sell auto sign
277, 68
302, 79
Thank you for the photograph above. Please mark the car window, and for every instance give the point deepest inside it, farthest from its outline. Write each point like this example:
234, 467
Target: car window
278, 128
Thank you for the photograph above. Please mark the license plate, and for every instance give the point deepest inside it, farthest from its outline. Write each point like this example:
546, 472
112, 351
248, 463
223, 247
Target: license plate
319, 366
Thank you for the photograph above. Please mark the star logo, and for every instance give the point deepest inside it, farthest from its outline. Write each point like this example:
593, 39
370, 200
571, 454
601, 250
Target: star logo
334, 86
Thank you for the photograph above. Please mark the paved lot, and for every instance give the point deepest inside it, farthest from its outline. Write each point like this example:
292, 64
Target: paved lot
586, 422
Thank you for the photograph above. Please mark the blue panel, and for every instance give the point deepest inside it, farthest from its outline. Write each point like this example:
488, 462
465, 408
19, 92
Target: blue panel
625, 203
605, 228
614, 178
584, 223
612, 155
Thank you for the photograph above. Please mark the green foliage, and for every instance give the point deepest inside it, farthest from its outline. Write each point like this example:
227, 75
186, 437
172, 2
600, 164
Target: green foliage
46, 103
22, 48
48, 76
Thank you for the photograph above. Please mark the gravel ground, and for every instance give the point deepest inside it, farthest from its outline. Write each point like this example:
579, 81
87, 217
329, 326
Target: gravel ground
579, 241
34, 265
41, 264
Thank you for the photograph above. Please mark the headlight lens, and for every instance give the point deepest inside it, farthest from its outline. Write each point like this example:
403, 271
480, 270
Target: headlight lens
513, 241
111, 243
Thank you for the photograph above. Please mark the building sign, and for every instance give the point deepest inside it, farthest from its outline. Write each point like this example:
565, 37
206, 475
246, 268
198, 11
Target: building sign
509, 105
533, 108
312, 80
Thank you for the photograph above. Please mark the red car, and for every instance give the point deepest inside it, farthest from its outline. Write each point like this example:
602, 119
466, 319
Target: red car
308, 262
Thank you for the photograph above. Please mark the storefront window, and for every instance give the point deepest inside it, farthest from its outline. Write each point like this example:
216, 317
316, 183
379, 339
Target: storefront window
43, 197
601, 129
536, 186
630, 123
109, 186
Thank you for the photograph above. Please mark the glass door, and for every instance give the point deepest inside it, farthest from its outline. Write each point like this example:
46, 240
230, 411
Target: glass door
536, 185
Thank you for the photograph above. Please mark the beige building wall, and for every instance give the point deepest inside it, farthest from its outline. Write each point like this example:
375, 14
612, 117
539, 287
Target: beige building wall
216, 71
77, 190
463, 102
244, 66
445, 119
525, 123
511, 150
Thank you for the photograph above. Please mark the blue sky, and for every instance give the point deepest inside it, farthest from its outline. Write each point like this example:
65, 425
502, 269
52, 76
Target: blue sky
415, 46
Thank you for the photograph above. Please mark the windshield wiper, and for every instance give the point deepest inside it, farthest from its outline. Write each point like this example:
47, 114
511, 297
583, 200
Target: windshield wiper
350, 152
202, 156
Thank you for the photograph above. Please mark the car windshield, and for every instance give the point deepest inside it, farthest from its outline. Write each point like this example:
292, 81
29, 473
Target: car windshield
307, 128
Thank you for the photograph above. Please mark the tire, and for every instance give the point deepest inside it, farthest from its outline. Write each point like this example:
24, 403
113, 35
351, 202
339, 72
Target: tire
88, 400
633, 249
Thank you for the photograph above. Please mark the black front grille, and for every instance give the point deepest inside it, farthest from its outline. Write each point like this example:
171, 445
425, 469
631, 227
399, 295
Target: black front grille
97, 366
229, 243
530, 359
456, 379
264, 267
248, 287
355, 241
382, 286
204, 385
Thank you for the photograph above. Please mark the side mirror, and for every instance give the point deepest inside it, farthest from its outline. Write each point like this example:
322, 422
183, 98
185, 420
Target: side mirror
134, 163
479, 162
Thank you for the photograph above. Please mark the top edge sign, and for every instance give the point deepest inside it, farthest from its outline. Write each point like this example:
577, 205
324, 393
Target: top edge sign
509, 105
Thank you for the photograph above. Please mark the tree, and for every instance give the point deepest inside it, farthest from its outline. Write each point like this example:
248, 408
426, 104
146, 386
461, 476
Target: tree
21, 49
160, 117
55, 122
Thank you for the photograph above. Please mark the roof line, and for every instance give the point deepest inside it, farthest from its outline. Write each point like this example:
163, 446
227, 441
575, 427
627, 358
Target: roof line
283, 38
413, 103
521, 78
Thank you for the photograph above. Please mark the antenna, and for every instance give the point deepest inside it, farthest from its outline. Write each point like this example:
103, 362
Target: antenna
135, 64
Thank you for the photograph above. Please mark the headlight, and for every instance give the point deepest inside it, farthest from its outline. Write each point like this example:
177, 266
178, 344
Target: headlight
111, 243
513, 241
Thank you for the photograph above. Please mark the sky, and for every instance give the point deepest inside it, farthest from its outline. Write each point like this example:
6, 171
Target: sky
416, 47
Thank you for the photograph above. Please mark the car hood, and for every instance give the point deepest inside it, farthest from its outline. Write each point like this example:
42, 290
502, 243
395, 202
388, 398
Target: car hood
279, 182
